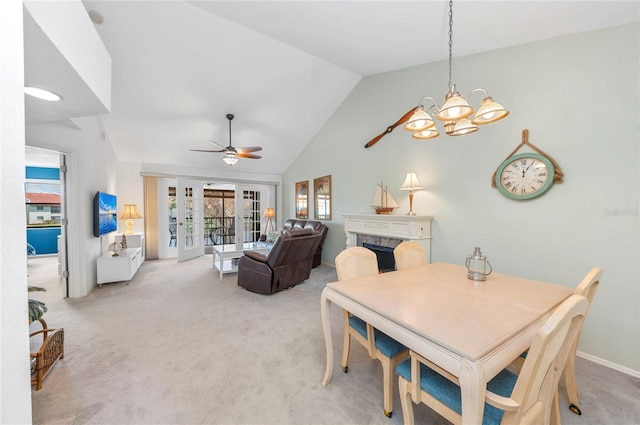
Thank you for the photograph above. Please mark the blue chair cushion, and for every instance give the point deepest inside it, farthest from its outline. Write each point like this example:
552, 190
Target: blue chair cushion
448, 392
389, 347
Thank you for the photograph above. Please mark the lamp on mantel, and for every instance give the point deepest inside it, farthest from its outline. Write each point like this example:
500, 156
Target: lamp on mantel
129, 213
270, 213
455, 111
411, 183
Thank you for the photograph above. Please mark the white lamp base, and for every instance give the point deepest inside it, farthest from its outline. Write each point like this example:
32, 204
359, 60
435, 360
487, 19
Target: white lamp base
129, 224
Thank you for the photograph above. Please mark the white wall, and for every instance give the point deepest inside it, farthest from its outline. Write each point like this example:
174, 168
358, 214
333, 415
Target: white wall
578, 96
15, 388
130, 191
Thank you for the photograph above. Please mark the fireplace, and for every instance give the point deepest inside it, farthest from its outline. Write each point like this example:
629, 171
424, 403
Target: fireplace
386, 260
385, 232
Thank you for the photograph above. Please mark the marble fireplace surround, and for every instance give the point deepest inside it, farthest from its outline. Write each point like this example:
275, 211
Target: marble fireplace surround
388, 230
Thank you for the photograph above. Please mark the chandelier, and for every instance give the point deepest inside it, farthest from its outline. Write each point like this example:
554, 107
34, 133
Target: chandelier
455, 113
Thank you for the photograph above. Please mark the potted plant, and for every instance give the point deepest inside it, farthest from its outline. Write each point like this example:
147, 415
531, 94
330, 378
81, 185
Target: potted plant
36, 308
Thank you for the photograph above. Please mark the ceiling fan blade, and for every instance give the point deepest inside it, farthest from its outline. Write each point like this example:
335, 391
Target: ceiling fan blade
217, 144
205, 150
249, 149
248, 155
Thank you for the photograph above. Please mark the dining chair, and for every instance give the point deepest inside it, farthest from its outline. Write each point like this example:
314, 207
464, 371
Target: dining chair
360, 262
587, 288
408, 255
530, 397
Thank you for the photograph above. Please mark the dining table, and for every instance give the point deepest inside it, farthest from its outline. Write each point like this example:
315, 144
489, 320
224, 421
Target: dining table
472, 329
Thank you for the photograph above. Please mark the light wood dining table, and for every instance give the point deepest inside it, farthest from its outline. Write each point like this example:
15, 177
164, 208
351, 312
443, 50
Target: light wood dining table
471, 329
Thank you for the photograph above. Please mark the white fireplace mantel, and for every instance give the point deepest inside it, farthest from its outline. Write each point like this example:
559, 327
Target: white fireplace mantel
415, 228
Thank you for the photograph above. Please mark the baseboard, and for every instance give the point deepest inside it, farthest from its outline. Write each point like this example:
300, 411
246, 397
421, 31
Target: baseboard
610, 365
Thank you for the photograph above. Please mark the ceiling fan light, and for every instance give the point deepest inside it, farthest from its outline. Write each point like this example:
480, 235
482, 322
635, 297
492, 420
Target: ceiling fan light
420, 120
230, 158
455, 108
490, 111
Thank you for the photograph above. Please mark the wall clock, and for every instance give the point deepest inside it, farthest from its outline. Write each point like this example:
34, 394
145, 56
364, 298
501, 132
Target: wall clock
526, 175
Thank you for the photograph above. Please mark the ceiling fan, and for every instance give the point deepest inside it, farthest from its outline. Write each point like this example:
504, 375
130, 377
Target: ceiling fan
232, 154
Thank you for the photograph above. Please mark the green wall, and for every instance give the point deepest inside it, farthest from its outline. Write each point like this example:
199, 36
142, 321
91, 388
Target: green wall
579, 97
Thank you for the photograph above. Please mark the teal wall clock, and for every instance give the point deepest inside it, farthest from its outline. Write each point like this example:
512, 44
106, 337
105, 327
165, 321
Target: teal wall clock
525, 176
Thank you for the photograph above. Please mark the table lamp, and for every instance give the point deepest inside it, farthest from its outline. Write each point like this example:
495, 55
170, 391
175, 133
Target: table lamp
411, 183
129, 213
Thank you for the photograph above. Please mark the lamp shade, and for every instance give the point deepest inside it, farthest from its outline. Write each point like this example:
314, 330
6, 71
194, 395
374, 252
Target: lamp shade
230, 158
490, 111
429, 133
411, 182
129, 212
455, 108
420, 120
463, 127
269, 212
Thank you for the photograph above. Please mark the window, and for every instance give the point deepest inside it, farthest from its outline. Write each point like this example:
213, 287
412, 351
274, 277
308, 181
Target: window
42, 204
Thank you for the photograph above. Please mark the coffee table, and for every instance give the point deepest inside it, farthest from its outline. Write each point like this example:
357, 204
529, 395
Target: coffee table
225, 257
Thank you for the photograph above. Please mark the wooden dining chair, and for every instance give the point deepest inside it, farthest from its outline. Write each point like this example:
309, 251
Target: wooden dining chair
587, 288
408, 255
359, 262
530, 397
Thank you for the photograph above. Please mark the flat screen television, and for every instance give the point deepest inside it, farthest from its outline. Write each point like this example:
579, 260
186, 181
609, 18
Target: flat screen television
105, 214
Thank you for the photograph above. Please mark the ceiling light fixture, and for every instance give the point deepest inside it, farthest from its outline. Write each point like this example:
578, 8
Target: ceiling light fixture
42, 94
455, 111
95, 17
230, 158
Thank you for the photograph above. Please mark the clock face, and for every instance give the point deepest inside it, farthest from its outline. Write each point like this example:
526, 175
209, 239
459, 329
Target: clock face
525, 176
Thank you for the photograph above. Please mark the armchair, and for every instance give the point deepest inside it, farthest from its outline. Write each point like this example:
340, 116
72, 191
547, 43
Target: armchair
318, 226
288, 263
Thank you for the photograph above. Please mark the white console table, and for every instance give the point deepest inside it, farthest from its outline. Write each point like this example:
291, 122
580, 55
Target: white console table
126, 264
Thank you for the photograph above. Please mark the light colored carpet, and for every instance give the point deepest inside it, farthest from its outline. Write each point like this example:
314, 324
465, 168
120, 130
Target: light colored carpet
177, 345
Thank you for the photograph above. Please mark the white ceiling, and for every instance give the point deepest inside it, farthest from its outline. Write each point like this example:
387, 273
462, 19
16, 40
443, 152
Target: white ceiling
281, 67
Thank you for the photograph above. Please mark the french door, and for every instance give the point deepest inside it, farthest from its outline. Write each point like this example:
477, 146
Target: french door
250, 201
190, 229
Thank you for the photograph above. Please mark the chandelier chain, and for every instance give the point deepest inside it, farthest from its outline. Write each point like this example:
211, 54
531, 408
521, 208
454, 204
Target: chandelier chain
450, 38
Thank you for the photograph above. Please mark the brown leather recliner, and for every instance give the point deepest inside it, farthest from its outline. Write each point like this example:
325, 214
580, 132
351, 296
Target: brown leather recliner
318, 226
287, 264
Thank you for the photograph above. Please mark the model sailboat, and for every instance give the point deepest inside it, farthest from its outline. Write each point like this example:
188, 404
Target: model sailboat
382, 201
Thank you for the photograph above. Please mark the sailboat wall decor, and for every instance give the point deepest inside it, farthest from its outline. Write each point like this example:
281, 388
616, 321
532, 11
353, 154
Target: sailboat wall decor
382, 201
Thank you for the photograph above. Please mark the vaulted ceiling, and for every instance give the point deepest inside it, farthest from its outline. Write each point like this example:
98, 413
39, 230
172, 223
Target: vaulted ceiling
281, 67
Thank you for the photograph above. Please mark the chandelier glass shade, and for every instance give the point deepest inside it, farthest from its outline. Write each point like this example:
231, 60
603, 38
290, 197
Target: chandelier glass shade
455, 113
230, 158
